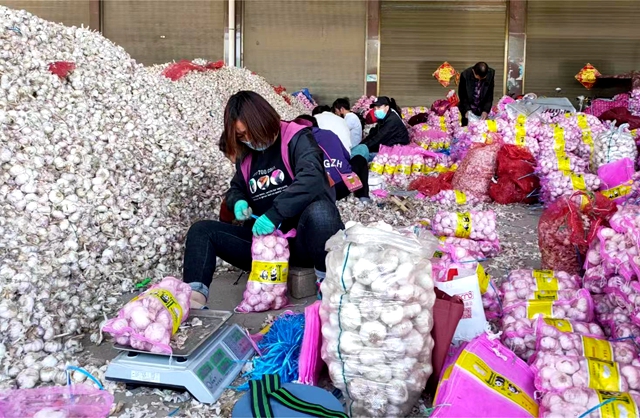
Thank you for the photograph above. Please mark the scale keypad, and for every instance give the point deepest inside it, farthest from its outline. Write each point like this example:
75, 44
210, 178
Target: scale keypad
213, 371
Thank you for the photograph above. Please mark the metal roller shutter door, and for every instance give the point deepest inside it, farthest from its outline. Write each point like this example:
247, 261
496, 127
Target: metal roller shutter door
314, 44
562, 36
67, 12
157, 31
417, 36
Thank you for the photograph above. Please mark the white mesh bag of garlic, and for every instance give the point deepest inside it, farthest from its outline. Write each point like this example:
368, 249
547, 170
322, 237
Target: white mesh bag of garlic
377, 315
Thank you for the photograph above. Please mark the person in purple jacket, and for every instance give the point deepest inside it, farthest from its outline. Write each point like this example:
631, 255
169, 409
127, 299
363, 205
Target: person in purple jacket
337, 160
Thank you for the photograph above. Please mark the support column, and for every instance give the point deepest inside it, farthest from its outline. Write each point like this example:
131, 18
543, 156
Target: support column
95, 15
516, 47
372, 54
239, 33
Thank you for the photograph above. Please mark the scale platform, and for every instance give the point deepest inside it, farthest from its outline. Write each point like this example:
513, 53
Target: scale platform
210, 360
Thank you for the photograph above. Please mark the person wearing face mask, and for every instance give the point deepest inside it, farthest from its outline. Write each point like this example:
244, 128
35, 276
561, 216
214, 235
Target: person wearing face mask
280, 180
475, 91
389, 131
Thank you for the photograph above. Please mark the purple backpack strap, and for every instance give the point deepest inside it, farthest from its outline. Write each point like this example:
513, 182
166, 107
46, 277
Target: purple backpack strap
287, 132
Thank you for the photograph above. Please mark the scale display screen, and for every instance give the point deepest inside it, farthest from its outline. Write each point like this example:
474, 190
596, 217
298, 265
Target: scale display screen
215, 368
238, 343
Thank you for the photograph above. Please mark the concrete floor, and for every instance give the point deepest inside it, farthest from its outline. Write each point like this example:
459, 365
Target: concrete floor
517, 231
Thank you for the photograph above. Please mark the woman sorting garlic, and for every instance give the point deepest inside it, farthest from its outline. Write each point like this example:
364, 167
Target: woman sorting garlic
280, 182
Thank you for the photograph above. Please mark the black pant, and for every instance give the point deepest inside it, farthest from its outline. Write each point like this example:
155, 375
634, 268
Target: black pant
359, 166
208, 239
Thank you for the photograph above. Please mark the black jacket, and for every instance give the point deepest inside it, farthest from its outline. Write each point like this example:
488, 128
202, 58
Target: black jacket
310, 181
390, 131
467, 88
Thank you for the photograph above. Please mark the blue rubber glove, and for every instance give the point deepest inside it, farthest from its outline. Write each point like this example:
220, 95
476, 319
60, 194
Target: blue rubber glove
241, 210
263, 226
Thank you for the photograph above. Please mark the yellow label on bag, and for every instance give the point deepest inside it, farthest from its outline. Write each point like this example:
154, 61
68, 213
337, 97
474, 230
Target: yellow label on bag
564, 163
547, 283
483, 278
621, 406
376, 168
492, 126
417, 168
584, 201
463, 226
425, 127
618, 191
521, 133
597, 349
545, 295
389, 169
577, 180
403, 169
559, 324
559, 145
461, 198
545, 280
477, 368
443, 124
558, 133
521, 120
603, 375
168, 301
582, 121
270, 272
542, 308
426, 169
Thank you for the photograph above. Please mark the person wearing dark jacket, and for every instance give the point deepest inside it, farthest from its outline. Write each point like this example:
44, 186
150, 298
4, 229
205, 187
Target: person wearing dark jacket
476, 91
389, 131
280, 180
338, 162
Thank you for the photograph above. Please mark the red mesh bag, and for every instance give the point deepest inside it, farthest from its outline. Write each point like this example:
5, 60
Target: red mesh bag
215, 65
62, 68
515, 179
430, 186
475, 172
179, 69
568, 226
439, 107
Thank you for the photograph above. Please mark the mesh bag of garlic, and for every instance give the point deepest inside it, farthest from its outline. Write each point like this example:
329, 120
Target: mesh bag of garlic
148, 321
377, 317
102, 172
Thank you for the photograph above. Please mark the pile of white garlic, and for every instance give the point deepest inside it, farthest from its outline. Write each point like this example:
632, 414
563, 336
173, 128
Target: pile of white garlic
101, 174
377, 317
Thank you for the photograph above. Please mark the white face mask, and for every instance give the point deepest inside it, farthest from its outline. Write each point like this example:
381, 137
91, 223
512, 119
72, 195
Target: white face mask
254, 148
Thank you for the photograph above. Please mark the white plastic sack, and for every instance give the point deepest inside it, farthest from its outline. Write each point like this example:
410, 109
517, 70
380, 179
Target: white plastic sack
376, 315
467, 287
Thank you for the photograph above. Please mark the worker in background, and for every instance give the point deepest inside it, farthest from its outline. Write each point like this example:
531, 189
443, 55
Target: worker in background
334, 123
337, 161
389, 131
280, 180
342, 107
476, 91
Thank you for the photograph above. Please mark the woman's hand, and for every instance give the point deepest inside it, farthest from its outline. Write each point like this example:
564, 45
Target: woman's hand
263, 226
241, 210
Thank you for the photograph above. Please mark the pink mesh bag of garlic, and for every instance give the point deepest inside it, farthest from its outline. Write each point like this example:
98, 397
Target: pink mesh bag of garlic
577, 402
556, 373
487, 248
267, 284
570, 344
148, 321
538, 284
485, 378
477, 225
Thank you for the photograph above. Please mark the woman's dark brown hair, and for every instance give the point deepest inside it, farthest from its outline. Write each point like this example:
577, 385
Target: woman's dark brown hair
260, 118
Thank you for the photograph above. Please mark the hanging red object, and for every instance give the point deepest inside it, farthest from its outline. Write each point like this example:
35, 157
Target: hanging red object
444, 74
588, 76
62, 68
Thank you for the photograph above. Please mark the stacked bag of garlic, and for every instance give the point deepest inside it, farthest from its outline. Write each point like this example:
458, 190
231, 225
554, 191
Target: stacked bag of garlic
148, 321
376, 316
612, 270
485, 380
526, 295
579, 373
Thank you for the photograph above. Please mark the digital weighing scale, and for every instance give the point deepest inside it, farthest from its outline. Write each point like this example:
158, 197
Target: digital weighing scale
209, 362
